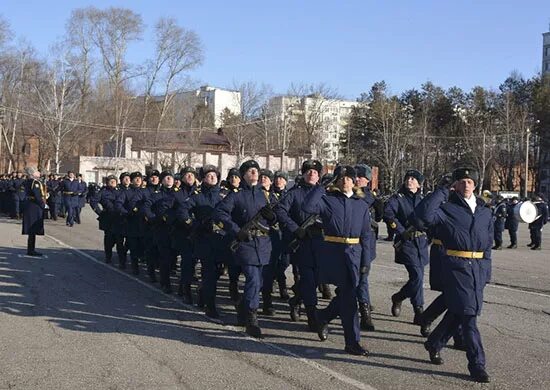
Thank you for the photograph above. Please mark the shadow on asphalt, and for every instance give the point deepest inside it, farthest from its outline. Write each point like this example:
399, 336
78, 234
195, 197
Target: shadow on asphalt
48, 295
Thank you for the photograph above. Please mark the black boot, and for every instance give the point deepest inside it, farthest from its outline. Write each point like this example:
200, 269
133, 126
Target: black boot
267, 304
435, 356
366, 319
480, 376
234, 290
252, 326
186, 294
356, 349
325, 291
512, 246
312, 321
322, 330
294, 304
422, 321
396, 300
283, 291
31, 242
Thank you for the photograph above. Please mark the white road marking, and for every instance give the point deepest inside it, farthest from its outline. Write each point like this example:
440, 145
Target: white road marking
341, 377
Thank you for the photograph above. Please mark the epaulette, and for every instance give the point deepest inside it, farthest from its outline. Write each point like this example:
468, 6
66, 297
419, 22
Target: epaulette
197, 191
176, 189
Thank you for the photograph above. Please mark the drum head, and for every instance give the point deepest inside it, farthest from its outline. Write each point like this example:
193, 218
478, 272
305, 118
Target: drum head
527, 212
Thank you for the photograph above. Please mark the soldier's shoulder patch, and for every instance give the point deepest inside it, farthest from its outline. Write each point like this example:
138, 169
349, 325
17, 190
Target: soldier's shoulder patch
176, 189
197, 191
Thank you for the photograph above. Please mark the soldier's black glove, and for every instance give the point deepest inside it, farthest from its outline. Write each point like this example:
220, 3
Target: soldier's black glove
268, 213
243, 236
364, 269
407, 235
300, 233
445, 181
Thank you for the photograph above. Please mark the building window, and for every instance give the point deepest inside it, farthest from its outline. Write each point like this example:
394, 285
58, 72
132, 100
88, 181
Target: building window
27, 149
548, 51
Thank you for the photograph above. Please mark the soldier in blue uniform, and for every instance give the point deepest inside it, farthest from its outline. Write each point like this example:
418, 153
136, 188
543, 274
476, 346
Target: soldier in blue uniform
69, 189
53, 191
150, 249
499, 215
18, 195
247, 216
180, 235
81, 201
33, 209
282, 260
233, 182
344, 252
535, 228
512, 224
103, 204
196, 214
293, 220
159, 214
411, 245
129, 205
364, 176
465, 227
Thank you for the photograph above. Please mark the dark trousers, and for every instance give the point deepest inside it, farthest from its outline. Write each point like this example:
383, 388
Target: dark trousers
52, 204
16, 206
70, 210
150, 252
165, 263
188, 264
363, 288
135, 244
513, 236
77, 214
307, 285
536, 237
252, 286
498, 236
413, 289
344, 305
110, 240
31, 243
470, 333
209, 279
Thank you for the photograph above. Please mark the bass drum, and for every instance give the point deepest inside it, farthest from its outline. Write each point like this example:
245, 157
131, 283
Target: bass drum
526, 212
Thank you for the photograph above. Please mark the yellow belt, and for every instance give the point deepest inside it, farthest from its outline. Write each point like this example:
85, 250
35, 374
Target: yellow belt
342, 240
435, 241
465, 254
68, 193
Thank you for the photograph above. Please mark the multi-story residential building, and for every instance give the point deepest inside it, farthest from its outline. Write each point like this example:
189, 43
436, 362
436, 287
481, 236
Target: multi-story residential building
216, 100
546, 52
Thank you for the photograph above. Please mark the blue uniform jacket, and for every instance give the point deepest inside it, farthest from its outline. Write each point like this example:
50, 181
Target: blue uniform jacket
500, 216
17, 187
129, 204
543, 219
398, 210
53, 188
106, 197
234, 211
180, 233
459, 229
512, 222
70, 189
339, 263
33, 209
158, 209
369, 199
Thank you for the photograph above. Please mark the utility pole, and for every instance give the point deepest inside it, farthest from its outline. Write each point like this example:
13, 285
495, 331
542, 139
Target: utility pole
528, 133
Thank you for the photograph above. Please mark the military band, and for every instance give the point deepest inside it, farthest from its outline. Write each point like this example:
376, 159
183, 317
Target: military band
256, 224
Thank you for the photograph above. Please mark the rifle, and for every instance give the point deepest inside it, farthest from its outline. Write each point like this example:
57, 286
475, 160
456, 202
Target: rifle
295, 243
410, 230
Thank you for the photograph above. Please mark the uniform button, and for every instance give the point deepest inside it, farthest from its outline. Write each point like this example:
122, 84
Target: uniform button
469, 262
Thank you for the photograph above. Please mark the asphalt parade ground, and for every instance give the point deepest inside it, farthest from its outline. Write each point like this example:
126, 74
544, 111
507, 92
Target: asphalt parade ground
70, 321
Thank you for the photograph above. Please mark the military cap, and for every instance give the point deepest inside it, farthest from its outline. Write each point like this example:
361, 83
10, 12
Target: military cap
186, 170
363, 170
133, 175
233, 172
154, 172
207, 169
312, 164
267, 173
466, 173
415, 174
124, 174
280, 174
245, 166
111, 177
345, 170
165, 173
177, 176
30, 171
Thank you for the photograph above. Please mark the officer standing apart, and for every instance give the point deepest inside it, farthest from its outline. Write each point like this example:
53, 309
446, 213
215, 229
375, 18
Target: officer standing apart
344, 252
535, 227
33, 209
411, 245
235, 211
465, 227
499, 215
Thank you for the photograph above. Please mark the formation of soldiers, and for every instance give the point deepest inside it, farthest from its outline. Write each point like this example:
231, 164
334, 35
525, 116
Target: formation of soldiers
325, 227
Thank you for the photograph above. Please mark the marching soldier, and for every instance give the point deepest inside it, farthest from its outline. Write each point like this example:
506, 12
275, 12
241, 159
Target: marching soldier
103, 205
70, 188
499, 215
465, 227
33, 209
18, 195
344, 252
535, 228
150, 249
306, 229
247, 216
411, 245
81, 201
158, 211
512, 224
283, 259
53, 188
129, 205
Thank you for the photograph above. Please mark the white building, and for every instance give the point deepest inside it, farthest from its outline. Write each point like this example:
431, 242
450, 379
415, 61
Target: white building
328, 116
215, 99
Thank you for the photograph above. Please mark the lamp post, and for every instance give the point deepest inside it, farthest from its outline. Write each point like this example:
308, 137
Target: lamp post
528, 133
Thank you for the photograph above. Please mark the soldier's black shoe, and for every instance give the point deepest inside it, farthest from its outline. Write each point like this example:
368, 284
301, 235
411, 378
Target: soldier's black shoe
322, 330
294, 304
267, 305
234, 290
325, 291
34, 254
512, 246
252, 327
283, 292
366, 318
497, 247
480, 376
435, 356
356, 349
396, 305
536, 248
530, 244
186, 294
418, 320
211, 311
